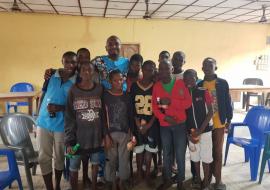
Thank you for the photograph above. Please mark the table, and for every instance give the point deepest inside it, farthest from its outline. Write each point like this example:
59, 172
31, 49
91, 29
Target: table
236, 91
21, 97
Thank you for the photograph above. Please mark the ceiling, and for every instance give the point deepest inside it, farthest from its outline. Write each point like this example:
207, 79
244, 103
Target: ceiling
211, 10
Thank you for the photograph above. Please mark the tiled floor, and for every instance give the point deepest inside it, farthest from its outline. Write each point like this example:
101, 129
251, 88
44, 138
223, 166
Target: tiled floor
235, 174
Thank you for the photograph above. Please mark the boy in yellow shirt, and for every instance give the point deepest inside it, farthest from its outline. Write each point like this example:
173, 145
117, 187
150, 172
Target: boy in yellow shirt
223, 113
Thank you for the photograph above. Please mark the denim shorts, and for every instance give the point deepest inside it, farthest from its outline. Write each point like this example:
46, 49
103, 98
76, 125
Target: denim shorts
75, 161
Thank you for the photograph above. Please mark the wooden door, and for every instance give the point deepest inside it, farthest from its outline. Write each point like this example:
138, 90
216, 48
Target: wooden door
127, 50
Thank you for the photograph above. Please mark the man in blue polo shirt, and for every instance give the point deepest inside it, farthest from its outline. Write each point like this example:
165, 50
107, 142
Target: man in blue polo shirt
51, 121
106, 63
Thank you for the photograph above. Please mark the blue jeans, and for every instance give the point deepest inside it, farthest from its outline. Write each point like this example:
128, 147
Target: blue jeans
75, 162
174, 136
101, 166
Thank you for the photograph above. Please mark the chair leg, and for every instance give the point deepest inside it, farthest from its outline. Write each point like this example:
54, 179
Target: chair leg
34, 169
226, 152
246, 155
262, 168
7, 108
29, 177
15, 109
243, 101
262, 99
20, 183
254, 162
268, 165
247, 102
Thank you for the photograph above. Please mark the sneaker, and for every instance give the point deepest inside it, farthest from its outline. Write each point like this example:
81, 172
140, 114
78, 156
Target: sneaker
87, 183
206, 188
174, 179
180, 186
196, 183
166, 185
101, 182
220, 186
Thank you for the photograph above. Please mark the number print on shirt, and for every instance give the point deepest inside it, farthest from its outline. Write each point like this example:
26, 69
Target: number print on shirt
143, 104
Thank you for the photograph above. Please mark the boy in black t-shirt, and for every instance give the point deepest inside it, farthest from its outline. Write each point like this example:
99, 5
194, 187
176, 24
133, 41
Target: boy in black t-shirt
199, 126
119, 126
84, 124
145, 130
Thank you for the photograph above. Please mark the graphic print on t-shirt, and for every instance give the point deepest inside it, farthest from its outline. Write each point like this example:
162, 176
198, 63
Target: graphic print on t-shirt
214, 97
87, 109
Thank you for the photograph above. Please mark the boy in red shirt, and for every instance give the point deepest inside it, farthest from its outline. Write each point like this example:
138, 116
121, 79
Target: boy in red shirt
170, 99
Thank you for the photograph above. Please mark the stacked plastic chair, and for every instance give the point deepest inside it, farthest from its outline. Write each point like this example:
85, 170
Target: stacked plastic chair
14, 131
12, 174
258, 122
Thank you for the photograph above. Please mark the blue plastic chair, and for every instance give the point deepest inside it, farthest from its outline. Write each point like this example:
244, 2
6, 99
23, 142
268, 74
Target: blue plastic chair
265, 157
7, 177
258, 122
19, 87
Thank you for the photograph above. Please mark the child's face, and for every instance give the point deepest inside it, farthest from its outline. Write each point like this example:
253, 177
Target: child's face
117, 81
70, 64
177, 61
209, 68
83, 56
164, 71
113, 46
86, 72
190, 81
148, 71
164, 57
135, 67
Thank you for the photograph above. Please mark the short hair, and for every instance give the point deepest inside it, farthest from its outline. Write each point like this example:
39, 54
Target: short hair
190, 72
87, 63
79, 79
113, 37
83, 49
136, 57
114, 72
69, 54
210, 59
168, 62
148, 62
182, 54
164, 52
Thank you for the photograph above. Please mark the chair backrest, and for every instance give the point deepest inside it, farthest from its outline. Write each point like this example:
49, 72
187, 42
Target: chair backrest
12, 164
22, 87
14, 131
253, 81
258, 121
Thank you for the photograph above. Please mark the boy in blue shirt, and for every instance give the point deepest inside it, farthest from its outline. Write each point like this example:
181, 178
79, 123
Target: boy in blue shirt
51, 121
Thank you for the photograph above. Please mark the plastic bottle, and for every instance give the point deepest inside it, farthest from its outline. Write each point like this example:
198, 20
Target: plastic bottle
75, 148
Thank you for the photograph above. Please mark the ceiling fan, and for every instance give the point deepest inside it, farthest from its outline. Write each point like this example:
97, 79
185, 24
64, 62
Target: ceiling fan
147, 14
15, 7
263, 18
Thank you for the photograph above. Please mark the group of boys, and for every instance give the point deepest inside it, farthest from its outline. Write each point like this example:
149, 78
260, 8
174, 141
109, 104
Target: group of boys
112, 107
